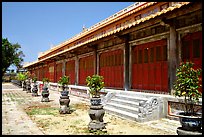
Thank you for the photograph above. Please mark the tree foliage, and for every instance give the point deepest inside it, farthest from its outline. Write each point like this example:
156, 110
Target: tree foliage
11, 55
188, 84
95, 84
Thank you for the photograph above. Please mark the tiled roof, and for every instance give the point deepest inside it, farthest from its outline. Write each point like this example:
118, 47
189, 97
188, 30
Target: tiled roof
101, 24
178, 5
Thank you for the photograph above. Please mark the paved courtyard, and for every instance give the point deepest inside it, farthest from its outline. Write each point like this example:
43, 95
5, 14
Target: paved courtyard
15, 121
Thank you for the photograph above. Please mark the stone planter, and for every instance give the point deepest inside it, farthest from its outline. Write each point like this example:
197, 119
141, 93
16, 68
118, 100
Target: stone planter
181, 131
96, 113
190, 125
19, 83
64, 93
35, 90
45, 95
24, 85
28, 86
64, 103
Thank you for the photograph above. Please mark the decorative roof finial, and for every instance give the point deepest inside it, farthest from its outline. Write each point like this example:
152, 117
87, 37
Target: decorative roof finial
84, 28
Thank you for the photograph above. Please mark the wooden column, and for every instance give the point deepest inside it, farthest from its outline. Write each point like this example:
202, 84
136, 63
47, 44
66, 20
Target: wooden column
55, 72
63, 67
173, 57
95, 61
126, 63
76, 70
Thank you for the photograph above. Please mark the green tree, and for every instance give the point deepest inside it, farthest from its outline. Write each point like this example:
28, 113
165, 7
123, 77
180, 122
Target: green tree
11, 55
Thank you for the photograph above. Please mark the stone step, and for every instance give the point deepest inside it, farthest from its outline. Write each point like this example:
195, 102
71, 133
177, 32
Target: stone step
121, 113
130, 98
126, 108
125, 102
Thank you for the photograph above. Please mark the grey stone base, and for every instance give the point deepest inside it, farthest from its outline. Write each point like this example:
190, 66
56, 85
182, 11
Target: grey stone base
96, 125
180, 131
64, 109
45, 100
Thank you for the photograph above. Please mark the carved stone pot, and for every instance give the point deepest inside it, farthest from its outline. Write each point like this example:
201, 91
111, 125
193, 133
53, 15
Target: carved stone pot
64, 103
35, 90
19, 83
45, 94
28, 87
190, 124
96, 113
24, 85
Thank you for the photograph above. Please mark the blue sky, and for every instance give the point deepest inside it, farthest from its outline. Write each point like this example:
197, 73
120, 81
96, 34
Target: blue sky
37, 26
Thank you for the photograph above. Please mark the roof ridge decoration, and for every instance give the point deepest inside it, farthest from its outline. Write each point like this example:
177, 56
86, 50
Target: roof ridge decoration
175, 6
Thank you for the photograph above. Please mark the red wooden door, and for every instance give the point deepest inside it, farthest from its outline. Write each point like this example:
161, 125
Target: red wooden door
86, 68
192, 50
41, 73
149, 67
47, 71
58, 71
70, 71
111, 68
51, 72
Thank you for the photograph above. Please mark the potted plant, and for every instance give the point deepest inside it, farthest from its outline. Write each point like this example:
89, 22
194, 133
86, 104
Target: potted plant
64, 81
95, 84
35, 89
187, 85
96, 112
45, 81
22, 77
45, 91
34, 79
28, 81
64, 98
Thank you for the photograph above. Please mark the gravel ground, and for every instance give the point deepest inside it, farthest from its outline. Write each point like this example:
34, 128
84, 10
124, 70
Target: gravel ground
17, 119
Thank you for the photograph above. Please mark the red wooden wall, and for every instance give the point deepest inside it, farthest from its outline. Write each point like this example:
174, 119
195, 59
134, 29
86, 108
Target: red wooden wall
111, 68
86, 68
70, 71
150, 68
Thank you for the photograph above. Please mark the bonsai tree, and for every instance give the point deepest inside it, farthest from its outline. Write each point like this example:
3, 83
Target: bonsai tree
21, 76
96, 111
64, 81
187, 85
95, 84
34, 79
45, 81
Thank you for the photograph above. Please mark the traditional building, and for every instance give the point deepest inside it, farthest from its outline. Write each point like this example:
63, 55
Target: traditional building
136, 49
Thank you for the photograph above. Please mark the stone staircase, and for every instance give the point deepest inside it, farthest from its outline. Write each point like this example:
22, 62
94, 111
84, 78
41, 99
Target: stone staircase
134, 106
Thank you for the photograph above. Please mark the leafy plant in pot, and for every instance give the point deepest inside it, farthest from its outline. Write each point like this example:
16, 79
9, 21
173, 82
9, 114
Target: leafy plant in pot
35, 89
22, 77
45, 91
64, 98
64, 81
96, 112
45, 82
34, 79
187, 85
95, 84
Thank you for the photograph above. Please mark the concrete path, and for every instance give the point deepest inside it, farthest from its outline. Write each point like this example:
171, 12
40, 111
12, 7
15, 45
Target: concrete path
15, 121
